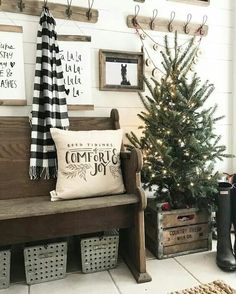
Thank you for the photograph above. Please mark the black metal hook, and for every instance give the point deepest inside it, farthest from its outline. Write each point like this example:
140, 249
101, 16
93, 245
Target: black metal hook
172, 17
186, 28
154, 16
89, 12
21, 5
200, 29
136, 12
68, 9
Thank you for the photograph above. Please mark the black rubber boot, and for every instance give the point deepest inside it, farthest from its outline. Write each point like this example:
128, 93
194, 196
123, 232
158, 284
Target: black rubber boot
233, 211
232, 181
224, 258
233, 205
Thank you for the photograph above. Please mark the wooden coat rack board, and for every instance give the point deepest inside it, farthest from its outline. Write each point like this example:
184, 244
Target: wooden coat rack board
162, 25
30, 7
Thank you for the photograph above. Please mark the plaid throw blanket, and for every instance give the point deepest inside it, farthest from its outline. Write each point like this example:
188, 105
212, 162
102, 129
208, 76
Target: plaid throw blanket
49, 107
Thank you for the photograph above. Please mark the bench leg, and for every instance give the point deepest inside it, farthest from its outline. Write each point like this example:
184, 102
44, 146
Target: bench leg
133, 248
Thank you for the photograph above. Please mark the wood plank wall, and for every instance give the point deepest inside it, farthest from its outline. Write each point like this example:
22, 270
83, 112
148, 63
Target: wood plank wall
111, 32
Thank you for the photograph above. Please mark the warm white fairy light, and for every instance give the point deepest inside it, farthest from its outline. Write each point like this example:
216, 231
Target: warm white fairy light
205, 157
164, 171
191, 184
181, 143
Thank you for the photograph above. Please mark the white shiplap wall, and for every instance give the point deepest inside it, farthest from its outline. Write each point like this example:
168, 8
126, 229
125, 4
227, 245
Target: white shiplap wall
111, 32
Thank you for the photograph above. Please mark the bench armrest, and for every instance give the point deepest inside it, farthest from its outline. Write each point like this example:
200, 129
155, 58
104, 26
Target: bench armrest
131, 165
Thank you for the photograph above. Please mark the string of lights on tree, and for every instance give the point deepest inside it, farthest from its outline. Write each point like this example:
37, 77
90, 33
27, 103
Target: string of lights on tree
178, 142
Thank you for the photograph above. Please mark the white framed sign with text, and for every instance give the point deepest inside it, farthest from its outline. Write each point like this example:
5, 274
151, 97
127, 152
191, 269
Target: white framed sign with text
12, 79
75, 52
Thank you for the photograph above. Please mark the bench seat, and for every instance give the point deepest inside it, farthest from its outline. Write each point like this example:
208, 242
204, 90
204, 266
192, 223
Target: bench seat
27, 214
39, 206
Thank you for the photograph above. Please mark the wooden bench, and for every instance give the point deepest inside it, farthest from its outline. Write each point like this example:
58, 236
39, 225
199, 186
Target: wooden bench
27, 214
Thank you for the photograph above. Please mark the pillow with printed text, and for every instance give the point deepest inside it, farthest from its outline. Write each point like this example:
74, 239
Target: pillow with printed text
88, 163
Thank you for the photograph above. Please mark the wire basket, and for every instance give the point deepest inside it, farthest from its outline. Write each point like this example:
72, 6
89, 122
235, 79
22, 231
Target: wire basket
45, 262
5, 258
99, 253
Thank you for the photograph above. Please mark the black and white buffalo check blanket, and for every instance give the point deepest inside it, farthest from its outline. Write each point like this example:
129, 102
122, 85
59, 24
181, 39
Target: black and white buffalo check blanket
49, 107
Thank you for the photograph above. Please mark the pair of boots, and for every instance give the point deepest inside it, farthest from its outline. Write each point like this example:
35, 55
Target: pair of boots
225, 217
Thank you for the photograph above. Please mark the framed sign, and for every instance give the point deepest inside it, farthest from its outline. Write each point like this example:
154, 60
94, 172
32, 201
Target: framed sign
76, 62
12, 80
121, 71
196, 2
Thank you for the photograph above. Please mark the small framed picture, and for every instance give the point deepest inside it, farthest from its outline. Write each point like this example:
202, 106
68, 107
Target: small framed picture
121, 71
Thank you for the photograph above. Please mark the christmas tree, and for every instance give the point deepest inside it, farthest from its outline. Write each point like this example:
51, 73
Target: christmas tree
178, 142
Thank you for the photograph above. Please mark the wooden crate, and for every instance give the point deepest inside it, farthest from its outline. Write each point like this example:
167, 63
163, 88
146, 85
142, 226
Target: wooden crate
177, 232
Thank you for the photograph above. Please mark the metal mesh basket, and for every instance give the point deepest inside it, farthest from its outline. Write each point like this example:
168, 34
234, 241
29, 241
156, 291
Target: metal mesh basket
5, 257
99, 253
45, 263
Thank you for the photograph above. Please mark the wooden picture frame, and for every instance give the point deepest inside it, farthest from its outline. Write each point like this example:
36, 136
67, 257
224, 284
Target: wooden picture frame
12, 79
75, 51
121, 71
194, 2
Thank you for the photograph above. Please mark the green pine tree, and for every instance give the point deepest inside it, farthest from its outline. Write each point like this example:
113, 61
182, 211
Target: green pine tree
178, 142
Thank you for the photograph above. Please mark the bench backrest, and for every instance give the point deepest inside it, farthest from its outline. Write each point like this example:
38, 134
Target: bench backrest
15, 153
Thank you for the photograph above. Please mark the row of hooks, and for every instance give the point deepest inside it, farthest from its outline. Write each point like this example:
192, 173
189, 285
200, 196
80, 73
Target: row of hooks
186, 27
68, 11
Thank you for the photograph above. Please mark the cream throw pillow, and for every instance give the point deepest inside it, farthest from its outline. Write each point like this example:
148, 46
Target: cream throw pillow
88, 163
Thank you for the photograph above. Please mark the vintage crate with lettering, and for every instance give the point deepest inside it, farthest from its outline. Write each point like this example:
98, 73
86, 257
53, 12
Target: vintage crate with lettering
177, 232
